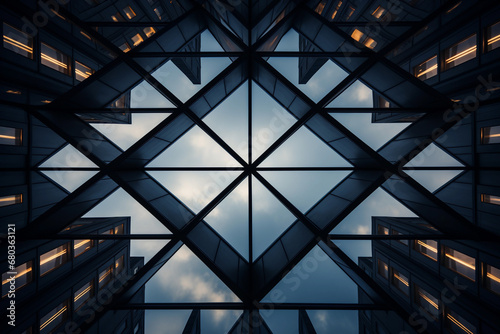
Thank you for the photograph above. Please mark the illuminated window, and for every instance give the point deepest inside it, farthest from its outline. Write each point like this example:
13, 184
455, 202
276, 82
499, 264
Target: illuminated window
339, 4
129, 12
490, 199
137, 39
383, 103
81, 246
427, 69
427, 301
402, 241
82, 72
11, 200
382, 230
492, 278
357, 35
401, 282
105, 276
117, 17
149, 31
17, 41
13, 91
427, 248
125, 47
55, 59
493, 37
119, 265
453, 8
362, 38
85, 35
350, 11
119, 229
108, 232
83, 294
370, 43
460, 263
382, 269
24, 276
460, 53
377, 13
321, 6
159, 12
54, 259
10, 136
54, 318
457, 324
490, 135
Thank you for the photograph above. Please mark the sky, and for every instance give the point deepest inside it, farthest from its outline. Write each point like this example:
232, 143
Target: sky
185, 278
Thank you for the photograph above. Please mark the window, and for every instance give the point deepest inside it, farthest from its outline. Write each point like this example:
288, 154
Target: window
82, 72
382, 230
491, 199
492, 278
382, 269
54, 318
321, 6
350, 11
149, 31
17, 41
117, 17
55, 59
11, 136
427, 301
108, 232
402, 241
81, 246
383, 103
105, 276
453, 8
125, 47
159, 12
401, 282
129, 12
493, 37
460, 53
490, 135
119, 265
363, 39
83, 294
335, 12
427, 248
119, 229
54, 259
10, 200
23, 276
137, 39
377, 13
460, 263
456, 324
427, 69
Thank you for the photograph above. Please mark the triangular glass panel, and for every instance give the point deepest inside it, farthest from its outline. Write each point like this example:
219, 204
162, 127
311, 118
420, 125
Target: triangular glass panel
433, 156
170, 76
304, 188
316, 279
379, 203
125, 135
357, 95
373, 134
289, 42
120, 204
68, 156
269, 121
269, 218
69, 179
218, 321
305, 149
230, 120
155, 321
194, 189
185, 278
146, 248
326, 78
344, 321
230, 218
209, 43
146, 96
281, 321
433, 179
194, 149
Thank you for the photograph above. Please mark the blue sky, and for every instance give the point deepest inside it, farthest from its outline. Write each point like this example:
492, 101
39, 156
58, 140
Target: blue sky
185, 278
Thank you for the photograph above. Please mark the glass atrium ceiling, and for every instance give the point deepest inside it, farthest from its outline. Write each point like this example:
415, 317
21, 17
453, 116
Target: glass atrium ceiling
287, 166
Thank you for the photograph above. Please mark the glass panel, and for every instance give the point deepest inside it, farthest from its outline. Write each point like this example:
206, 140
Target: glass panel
54, 259
117, 17
350, 11
492, 279
119, 229
137, 39
119, 265
357, 35
402, 241
81, 246
377, 13
83, 294
149, 31
493, 37
491, 199
55, 59
382, 230
427, 301
110, 232
427, 248
10, 200
54, 318
490, 135
321, 6
457, 324
382, 268
335, 12
17, 41
82, 72
401, 282
23, 274
129, 12
370, 43
460, 52
427, 69
158, 11
383, 103
125, 47
460, 263
11, 136
105, 276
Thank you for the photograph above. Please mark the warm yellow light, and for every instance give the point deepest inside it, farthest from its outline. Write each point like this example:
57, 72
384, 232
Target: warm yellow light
80, 244
7, 137
462, 54
462, 262
423, 244
370, 43
15, 92
432, 68
24, 272
493, 277
377, 13
459, 324
46, 101
61, 311
83, 74
104, 275
402, 280
17, 44
357, 34
54, 61
430, 301
129, 12
493, 39
336, 10
81, 294
50, 258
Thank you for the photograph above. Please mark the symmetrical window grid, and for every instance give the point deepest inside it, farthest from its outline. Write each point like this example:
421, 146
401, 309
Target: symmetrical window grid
11, 136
